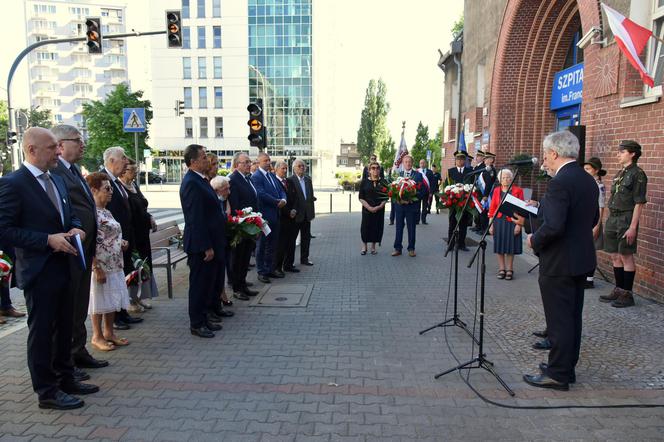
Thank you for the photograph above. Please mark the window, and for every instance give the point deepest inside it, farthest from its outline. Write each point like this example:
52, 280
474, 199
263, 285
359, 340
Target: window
186, 38
202, 67
216, 8
216, 36
204, 127
187, 98
219, 127
201, 37
58, 118
186, 68
81, 88
217, 66
218, 98
185, 8
188, 127
201, 9
655, 51
202, 97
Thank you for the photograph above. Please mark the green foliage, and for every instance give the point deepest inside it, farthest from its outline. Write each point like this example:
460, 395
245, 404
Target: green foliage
422, 143
5, 152
37, 118
104, 122
373, 134
349, 180
386, 153
224, 172
435, 145
457, 28
524, 170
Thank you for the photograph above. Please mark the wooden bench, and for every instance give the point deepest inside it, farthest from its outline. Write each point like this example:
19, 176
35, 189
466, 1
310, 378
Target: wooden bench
166, 241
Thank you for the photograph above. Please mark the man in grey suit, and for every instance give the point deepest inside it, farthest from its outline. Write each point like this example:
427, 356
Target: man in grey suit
72, 146
305, 211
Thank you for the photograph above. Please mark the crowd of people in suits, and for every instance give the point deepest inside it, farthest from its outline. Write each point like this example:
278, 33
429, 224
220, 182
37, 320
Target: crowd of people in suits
286, 204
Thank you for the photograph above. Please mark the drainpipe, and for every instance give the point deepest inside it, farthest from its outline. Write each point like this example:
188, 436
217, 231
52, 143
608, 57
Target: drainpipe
457, 61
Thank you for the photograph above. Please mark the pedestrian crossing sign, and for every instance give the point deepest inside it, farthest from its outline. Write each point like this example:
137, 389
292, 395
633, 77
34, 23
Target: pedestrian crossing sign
133, 119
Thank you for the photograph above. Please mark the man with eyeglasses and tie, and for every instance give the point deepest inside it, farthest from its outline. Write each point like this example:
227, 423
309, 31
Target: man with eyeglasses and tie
72, 147
37, 219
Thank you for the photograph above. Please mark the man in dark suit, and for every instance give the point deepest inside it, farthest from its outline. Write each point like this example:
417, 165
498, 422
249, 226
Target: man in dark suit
243, 194
271, 198
287, 233
305, 211
459, 175
428, 177
408, 212
564, 243
72, 146
115, 164
204, 240
36, 218
488, 180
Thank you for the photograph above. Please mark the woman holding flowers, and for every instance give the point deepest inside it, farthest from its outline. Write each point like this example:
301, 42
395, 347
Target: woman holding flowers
373, 200
506, 235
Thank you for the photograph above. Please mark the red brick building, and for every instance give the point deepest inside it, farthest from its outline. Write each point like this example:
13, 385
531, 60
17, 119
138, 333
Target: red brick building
522, 73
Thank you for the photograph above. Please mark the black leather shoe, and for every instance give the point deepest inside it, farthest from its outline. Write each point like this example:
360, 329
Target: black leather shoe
61, 401
277, 274
307, 263
212, 317
464, 248
201, 332
213, 327
264, 279
89, 362
292, 270
544, 344
312, 237
132, 319
543, 366
425, 223
249, 284
540, 334
80, 375
249, 292
226, 314
74, 387
544, 381
120, 325
241, 296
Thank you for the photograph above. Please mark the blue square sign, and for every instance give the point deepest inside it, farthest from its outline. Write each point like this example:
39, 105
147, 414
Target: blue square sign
133, 119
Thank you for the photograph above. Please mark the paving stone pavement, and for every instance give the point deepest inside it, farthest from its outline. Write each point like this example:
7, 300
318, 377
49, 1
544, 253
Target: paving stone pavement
351, 365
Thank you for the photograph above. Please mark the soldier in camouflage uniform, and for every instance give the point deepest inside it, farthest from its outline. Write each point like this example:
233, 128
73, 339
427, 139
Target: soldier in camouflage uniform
628, 196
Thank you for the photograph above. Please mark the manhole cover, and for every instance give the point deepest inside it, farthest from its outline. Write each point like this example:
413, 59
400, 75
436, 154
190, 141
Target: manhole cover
283, 295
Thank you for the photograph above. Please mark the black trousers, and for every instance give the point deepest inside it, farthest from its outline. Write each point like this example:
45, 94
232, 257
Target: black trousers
285, 244
562, 297
425, 207
204, 280
463, 228
80, 289
241, 255
50, 305
305, 240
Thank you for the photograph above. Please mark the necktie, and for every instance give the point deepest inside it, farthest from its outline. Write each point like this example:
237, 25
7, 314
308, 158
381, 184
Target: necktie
248, 178
283, 181
123, 192
77, 174
304, 190
50, 191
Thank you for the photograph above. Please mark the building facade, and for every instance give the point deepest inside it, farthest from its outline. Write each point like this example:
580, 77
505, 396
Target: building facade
63, 77
349, 156
536, 79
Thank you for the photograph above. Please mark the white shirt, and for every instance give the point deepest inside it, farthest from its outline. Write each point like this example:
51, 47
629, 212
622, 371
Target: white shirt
303, 186
37, 173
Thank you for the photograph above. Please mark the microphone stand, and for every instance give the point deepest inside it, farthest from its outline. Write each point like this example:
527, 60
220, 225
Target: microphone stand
453, 241
480, 361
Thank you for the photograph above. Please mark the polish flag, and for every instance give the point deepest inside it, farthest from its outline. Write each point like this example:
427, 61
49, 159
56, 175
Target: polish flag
631, 39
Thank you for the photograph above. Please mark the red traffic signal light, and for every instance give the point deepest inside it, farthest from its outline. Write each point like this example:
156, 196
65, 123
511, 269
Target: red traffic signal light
93, 35
174, 29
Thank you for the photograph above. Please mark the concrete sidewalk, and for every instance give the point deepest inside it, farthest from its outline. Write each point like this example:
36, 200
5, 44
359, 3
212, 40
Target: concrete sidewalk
352, 366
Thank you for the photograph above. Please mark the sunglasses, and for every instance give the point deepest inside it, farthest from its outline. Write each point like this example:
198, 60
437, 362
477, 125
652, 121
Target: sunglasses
374, 167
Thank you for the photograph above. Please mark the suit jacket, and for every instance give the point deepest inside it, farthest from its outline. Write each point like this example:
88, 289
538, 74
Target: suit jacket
83, 206
567, 213
454, 177
204, 220
431, 178
242, 194
304, 206
119, 208
270, 193
291, 200
27, 217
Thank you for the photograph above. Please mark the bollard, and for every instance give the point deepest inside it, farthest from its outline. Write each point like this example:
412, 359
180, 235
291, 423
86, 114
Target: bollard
349, 202
330, 203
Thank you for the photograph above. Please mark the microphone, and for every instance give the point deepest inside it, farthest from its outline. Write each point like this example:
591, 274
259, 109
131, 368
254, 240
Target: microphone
531, 162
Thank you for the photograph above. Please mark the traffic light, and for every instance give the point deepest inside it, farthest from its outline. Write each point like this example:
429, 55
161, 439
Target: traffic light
173, 29
11, 138
93, 35
257, 131
179, 108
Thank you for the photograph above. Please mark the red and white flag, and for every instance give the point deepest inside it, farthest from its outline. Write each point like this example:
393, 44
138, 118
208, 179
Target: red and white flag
631, 39
401, 152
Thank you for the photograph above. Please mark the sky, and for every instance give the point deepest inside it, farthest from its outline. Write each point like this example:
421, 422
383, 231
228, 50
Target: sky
395, 41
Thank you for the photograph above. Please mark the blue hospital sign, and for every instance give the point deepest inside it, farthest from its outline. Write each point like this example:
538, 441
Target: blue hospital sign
567, 87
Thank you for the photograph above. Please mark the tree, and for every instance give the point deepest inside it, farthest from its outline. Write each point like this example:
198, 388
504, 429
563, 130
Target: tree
457, 28
422, 144
104, 123
5, 151
36, 118
373, 133
435, 145
386, 153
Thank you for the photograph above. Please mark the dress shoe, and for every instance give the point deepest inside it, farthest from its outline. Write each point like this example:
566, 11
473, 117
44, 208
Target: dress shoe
412, 253
202, 332
589, 284
135, 308
264, 279
74, 387
540, 334
227, 303
145, 304
120, 325
625, 299
464, 249
611, 296
131, 319
79, 375
11, 313
212, 317
543, 366
249, 284
277, 274
61, 401
425, 223
396, 253
544, 344
544, 381
249, 292
307, 263
391, 224
312, 237
226, 314
241, 296
88, 361
213, 327
291, 269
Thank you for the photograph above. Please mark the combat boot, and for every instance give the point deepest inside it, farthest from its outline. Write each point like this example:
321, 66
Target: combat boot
625, 299
611, 296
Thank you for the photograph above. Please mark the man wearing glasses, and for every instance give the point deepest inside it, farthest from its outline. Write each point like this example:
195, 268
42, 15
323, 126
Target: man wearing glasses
72, 147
